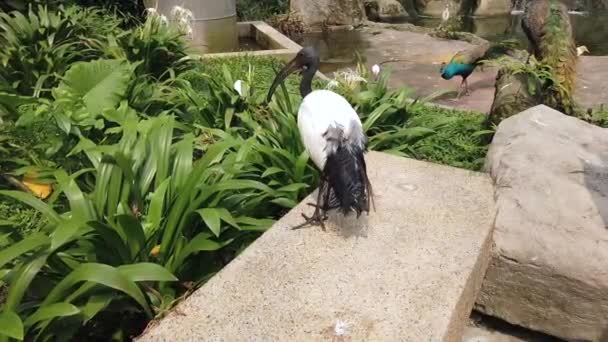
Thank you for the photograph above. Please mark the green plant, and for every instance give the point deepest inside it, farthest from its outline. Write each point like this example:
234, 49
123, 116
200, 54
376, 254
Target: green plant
260, 9
151, 208
38, 48
158, 45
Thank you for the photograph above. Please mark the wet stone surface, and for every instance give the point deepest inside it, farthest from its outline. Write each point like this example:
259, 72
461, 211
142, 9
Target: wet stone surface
415, 59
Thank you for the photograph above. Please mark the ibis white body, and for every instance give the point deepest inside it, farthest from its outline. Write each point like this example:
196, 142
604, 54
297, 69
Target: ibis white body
324, 117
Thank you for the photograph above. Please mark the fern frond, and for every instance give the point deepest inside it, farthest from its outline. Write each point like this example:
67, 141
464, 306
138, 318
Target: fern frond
558, 51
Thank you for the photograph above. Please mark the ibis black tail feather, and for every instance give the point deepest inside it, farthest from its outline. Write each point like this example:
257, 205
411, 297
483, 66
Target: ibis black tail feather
346, 173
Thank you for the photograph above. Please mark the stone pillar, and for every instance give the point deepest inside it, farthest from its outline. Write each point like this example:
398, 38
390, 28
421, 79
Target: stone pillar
316, 13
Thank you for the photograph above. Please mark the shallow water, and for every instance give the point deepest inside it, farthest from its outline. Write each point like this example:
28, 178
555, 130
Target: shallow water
336, 48
590, 30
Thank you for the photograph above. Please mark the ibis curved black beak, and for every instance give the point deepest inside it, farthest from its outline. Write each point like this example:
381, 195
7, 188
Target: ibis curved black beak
287, 70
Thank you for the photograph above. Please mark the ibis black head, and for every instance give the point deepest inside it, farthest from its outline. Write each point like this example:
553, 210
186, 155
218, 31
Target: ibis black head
306, 62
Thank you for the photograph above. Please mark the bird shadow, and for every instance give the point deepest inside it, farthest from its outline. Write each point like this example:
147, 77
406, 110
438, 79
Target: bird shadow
347, 226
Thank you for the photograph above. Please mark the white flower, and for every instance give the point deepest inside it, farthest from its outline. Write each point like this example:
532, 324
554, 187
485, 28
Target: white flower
151, 11
445, 15
163, 19
179, 12
341, 328
351, 76
581, 50
376, 69
332, 84
238, 86
183, 17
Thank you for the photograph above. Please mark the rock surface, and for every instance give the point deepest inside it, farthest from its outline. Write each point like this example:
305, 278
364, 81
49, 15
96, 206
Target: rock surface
415, 59
492, 7
384, 10
511, 96
317, 13
549, 270
434, 8
410, 271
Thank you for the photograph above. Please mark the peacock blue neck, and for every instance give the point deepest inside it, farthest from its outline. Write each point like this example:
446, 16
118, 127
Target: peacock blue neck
457, 69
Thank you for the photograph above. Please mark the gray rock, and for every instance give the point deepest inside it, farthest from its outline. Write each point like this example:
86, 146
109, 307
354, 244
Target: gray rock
549, 270
390, 9
317, 13
512, 95
434, 8
492, 7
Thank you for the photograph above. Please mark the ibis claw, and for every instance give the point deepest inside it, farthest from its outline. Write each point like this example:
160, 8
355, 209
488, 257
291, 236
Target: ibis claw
315, 220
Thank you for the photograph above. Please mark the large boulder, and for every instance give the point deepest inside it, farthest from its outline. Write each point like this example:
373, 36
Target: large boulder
317, 13
492, 7
384, 10
434, 8
549, 269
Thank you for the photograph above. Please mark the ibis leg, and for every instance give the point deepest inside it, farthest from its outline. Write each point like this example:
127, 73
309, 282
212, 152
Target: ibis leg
319, 214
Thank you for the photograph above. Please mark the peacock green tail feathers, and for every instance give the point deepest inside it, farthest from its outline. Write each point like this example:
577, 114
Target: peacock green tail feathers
558, 51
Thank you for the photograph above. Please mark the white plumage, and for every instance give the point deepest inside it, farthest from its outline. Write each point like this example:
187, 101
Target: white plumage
320, 112
333, 136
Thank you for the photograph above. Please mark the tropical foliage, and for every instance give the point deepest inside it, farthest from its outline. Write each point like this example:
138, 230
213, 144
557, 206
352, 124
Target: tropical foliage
144, 171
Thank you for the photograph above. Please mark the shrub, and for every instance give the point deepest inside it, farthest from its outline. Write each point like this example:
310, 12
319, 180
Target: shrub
39, 47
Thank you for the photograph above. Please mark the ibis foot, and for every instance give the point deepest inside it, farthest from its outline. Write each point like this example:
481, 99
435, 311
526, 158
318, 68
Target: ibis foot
315, 220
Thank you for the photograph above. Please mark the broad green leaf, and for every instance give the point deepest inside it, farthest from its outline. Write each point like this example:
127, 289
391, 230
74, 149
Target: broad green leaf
97, 273
200, 243
162, 136
146, 272
227, 217
80, 206
301, 166
182, 166
285, 202
33, 202
28, 244
22, 279
95, 304
134, 233
66, 231
211, 216
51, 311
112, 239
11, 325
250, 223
271, 171
293, 187
101, 84
155, 211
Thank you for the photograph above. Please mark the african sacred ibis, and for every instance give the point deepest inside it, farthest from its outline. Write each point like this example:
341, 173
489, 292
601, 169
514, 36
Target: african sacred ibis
332, 134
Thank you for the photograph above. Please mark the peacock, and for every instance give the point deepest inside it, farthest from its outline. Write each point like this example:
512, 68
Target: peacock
464, 62
547, 25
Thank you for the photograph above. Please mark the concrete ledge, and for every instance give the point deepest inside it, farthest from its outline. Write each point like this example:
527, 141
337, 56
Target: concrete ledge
409, 271
275, 43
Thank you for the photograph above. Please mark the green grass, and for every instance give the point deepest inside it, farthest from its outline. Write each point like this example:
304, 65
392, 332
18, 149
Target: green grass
26, 219
458, 144
260, 9
264, 71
